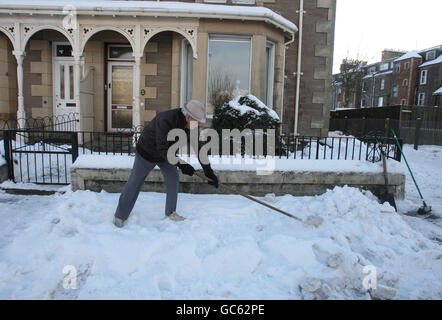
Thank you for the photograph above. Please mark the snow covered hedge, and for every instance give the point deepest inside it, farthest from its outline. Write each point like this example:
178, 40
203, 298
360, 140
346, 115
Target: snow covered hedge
244, 112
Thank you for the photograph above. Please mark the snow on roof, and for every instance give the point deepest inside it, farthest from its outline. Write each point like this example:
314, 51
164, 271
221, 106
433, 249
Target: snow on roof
383, 73
432, 48
431, 62
151, 6
438, 92
409, 55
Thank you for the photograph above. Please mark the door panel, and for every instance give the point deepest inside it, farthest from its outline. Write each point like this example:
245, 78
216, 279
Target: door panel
120, 95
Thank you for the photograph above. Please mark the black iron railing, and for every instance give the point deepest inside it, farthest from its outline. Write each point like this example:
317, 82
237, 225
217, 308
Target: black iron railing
43, 156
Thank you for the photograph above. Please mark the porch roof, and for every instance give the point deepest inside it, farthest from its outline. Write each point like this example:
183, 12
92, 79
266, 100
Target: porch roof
152, 8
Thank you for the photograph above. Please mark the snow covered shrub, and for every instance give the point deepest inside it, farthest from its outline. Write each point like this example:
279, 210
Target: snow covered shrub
244, 112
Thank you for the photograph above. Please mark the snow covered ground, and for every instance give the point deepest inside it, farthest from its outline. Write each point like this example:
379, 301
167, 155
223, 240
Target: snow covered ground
228, 248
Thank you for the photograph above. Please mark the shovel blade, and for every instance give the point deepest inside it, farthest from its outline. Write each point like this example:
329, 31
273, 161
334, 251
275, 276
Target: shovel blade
388, 198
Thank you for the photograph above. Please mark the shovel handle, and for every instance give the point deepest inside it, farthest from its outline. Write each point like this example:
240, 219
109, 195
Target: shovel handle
202, 176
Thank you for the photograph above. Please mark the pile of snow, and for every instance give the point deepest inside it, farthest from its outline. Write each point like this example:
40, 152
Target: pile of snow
232, 249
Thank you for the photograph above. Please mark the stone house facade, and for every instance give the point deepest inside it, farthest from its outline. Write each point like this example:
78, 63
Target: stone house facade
117, 64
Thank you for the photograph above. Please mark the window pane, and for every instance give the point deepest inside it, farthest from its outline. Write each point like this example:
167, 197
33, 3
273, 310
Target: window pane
61, 81
64, 50
122, 78
229, 70
121, 119
71, 82
117, 52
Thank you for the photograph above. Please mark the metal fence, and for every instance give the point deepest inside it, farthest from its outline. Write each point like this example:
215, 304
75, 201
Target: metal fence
417, 132
45, 157
67, 122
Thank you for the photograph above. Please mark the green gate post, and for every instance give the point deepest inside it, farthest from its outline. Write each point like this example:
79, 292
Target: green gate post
417, 133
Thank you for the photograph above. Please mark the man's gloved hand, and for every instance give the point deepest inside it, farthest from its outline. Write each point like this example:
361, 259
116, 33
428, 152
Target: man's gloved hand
186, 169
208, 172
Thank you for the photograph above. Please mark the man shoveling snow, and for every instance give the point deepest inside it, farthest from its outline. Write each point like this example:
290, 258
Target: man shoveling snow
151, 150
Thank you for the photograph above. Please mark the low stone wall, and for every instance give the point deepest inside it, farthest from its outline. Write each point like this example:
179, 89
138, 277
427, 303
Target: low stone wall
280, 183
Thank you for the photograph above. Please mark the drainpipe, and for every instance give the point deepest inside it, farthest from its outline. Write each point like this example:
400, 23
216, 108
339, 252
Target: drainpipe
283, 78
299, 72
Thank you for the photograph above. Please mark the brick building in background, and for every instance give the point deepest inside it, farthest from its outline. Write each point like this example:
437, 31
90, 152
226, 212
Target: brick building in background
408, 79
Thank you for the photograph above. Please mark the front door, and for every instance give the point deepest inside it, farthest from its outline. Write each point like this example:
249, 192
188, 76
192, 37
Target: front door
63, 84
120, 95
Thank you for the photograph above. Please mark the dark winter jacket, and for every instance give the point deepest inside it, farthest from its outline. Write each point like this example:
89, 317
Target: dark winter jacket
152, 144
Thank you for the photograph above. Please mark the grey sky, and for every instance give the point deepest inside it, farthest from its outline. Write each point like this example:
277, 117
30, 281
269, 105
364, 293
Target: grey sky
365, 27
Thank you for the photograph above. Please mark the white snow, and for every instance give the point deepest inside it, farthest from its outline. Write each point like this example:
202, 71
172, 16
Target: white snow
153, 6
432, 62
228, 248
412, 54
383, 73
247, 164
438, 91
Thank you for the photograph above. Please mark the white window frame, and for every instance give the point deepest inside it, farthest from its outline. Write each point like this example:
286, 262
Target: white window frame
363, 103
405, 83
119, 46
215, 1
407, 65
403, 102
271, 75
397, 67
423, 77
184, 59
382, 85
232, 38
383, 67
421, 99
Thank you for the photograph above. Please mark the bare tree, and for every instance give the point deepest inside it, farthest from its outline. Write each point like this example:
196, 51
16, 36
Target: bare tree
221, 86
351, 73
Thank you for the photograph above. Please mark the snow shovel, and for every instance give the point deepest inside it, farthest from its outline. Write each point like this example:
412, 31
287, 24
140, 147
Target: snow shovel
311, 220
425, 208
386, 197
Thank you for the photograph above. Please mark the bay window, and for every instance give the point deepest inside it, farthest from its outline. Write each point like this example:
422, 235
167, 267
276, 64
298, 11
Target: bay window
228, 69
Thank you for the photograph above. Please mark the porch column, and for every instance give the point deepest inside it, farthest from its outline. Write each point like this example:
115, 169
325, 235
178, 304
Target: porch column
77, 78
21, 114
136, 114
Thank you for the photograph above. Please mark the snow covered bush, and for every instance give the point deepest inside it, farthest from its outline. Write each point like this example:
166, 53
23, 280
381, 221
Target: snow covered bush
245, 112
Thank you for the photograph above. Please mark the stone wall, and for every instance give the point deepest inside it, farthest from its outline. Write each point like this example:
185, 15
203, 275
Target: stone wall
280, 183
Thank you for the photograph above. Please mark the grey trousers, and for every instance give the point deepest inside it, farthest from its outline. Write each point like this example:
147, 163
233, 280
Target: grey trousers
132, 188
